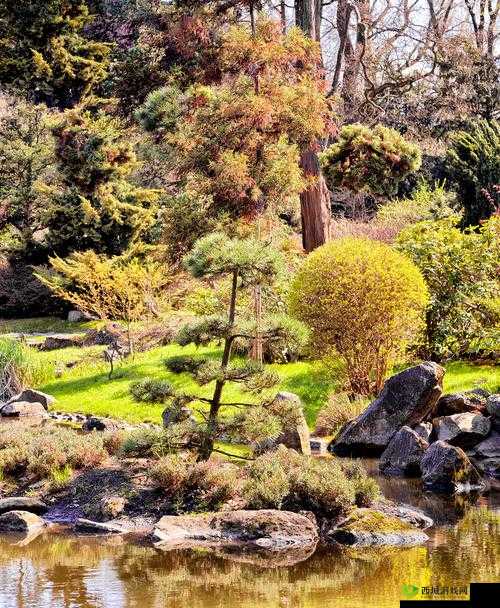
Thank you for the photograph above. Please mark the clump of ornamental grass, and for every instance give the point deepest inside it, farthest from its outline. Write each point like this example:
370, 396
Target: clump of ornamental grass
19, 368
337, 412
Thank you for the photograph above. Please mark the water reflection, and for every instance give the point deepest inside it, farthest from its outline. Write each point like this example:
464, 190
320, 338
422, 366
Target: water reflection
57, 570
63, 571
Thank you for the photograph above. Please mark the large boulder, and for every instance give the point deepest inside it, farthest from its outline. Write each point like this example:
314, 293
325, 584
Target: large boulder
493, 409
267, 528
459, 403
22, 503
20, 521
403, 454
462, 430
295, 435
30, 395
368, 527
23, 409
406, 399
446, 468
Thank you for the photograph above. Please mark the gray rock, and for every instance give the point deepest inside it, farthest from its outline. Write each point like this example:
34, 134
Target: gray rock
319, 446
296, 435
33, 396
462, 430
446, 468
20, 521
87, 525
459, 403
489, 448
267, 528
493, 408
403, 454
406, 399
22, 503
486, 455
99, 424
22, 409
424, 430
411, 515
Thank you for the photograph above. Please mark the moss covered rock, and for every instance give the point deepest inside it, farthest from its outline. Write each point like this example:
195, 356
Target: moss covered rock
365, 527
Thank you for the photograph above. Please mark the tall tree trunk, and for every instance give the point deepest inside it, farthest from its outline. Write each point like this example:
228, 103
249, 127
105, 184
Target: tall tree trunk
315, 200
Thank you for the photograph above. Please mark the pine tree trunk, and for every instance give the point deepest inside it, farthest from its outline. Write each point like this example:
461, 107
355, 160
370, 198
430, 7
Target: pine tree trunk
315, 200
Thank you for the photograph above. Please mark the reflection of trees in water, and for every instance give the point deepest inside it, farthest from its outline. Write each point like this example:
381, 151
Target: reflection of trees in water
136, 575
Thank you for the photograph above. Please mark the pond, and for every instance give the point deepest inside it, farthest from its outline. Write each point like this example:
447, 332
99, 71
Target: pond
60, 570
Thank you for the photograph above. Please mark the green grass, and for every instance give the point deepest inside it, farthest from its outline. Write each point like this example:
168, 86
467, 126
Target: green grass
462, 375
44, 325
86, 388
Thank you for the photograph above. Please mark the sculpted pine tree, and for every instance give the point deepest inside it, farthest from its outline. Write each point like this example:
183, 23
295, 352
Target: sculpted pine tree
247, 262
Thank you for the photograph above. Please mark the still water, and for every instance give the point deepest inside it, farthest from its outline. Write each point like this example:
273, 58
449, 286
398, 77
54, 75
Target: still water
64, 571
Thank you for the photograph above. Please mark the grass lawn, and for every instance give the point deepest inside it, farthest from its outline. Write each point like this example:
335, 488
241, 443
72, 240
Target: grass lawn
86, 388
45, 325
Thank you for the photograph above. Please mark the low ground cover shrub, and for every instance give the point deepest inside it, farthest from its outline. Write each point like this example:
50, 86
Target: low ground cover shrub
192, 485
285, 479
46, 452
151, 390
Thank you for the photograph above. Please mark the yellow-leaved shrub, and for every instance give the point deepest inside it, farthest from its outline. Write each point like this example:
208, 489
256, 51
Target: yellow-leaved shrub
363, 301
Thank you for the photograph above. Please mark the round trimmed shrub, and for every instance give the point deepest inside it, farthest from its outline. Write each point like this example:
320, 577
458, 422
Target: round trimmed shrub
363, 301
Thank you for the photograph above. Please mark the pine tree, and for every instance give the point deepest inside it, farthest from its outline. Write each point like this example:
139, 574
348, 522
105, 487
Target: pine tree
96, 207
44, 51
473, 164
248, 262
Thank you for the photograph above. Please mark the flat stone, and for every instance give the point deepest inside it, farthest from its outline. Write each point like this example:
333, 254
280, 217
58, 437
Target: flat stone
23, 503
406, 399
20, 521
267, 528
87, 525
462, 430
404, 453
